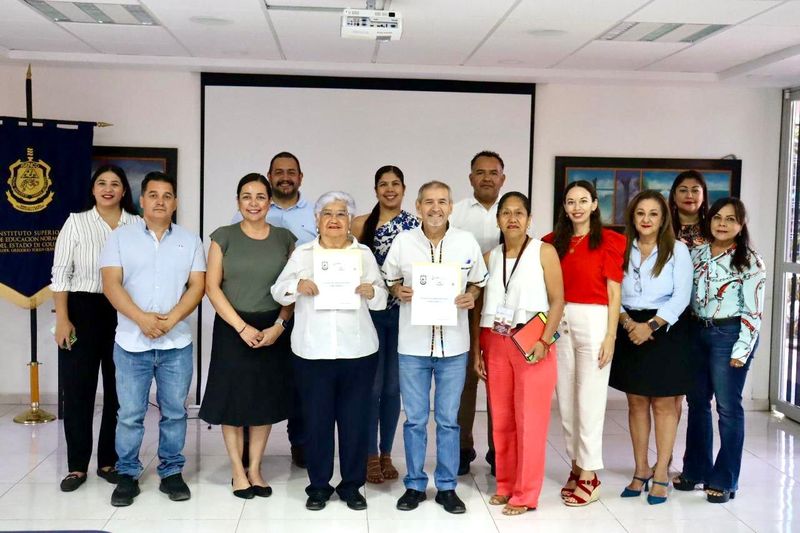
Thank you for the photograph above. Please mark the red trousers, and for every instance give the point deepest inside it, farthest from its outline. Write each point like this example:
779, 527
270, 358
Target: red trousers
519, 400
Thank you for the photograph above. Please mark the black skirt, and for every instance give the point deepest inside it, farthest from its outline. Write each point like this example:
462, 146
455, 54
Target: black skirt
247, 386
660, 367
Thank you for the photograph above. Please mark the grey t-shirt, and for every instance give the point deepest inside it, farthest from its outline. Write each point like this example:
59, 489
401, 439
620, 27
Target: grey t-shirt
251, 266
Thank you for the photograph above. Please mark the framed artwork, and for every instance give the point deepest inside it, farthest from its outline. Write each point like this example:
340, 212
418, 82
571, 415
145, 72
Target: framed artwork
619, 179
137, 162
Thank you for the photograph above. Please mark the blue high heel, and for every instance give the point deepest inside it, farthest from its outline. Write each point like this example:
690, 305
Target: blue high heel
630, 493
655, 500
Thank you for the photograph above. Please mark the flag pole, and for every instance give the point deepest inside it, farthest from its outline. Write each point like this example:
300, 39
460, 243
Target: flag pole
34, 415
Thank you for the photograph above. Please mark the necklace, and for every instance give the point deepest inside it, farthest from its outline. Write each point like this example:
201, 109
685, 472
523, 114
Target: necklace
573, 246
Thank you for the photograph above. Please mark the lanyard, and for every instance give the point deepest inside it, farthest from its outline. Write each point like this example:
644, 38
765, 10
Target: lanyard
507, 280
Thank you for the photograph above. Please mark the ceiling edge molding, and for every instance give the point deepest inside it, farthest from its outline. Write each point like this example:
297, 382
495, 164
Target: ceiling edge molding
761, 62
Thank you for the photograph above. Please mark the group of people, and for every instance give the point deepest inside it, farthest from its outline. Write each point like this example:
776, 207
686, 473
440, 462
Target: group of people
670, 308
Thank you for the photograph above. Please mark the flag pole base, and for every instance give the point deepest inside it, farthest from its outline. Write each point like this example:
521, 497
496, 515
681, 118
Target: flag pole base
33, 416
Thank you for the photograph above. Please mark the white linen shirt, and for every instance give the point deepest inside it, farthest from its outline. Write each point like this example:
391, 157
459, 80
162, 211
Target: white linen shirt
76, 261
412, 246
335, 333
470, 215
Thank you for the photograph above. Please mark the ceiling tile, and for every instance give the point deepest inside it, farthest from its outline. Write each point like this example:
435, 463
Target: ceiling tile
132, 40
619, 55
730, 48
702, 11
314, 36
441, 33
246, 35
786, 15
23, 28
582, 20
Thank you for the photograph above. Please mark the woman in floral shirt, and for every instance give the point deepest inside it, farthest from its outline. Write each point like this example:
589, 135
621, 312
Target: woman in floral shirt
727, 305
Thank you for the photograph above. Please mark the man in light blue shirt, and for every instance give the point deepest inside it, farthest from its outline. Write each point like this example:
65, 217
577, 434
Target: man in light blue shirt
154, 276
288, 209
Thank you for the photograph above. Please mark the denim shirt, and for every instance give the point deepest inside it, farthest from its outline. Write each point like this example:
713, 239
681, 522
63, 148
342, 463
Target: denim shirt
721, 291
669, 292
299, 219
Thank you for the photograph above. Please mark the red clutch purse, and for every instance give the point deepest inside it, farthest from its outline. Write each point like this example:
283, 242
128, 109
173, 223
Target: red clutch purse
529, 334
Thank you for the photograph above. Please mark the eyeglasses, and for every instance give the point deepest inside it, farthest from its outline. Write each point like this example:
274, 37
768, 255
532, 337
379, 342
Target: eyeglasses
637, 280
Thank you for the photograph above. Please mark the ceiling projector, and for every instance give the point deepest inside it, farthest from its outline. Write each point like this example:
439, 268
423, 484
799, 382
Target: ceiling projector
371, 25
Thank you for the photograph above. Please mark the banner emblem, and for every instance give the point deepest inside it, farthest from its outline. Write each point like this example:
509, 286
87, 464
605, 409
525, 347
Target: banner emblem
29, 184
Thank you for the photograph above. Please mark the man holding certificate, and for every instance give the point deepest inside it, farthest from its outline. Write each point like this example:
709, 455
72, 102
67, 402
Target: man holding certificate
436, 272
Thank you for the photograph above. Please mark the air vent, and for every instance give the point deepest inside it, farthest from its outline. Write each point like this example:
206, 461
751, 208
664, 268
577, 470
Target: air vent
661, 32
130, 13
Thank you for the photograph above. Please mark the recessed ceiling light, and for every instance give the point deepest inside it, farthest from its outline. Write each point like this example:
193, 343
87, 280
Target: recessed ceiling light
546, 32
105, 12
210, 21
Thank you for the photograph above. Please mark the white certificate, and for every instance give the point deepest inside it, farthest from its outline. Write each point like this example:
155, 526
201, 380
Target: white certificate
435, 287
337, 274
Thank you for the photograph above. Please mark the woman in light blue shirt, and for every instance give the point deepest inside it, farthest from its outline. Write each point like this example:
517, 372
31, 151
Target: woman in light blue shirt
727, 304
651, 354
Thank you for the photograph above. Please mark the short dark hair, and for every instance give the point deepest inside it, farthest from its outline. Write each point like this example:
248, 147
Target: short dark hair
284, 154
126, 203
487, 153
249, 178
157, 175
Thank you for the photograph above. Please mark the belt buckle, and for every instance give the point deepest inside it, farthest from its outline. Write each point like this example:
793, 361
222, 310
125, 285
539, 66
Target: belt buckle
708, 322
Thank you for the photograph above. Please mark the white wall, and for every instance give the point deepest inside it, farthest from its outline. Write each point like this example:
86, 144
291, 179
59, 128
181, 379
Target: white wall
158, 108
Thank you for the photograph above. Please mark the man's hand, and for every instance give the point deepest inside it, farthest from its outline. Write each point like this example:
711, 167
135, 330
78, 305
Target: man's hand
465, 301
307, 287
366, 290
151, 324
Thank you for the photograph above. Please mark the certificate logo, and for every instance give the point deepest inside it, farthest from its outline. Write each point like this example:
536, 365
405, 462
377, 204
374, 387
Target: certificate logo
324, 265
423, 279
29, 184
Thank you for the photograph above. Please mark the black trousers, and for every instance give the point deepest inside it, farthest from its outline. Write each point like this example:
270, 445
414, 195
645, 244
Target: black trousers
95, 322
336, 393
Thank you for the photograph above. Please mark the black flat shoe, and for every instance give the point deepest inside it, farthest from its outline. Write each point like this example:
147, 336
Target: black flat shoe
410, 500
262, 492
316, 502
356, 502
72, 482
109, 475
451, 502
723, 497
245, 494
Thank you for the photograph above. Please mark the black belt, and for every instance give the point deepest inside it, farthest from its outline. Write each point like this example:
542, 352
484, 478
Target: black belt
712, 322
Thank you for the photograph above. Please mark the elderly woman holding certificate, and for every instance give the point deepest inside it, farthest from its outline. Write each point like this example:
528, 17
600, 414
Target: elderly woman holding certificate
524, 281
334, 281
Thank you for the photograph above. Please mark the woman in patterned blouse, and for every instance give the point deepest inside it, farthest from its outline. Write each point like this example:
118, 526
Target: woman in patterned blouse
688, 205
377, 230
727, 304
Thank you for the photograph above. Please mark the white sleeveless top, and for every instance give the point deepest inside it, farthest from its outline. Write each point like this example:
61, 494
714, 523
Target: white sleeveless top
527, 293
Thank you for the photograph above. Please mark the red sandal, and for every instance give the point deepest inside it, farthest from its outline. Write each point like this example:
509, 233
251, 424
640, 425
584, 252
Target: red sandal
566, 492
589, 487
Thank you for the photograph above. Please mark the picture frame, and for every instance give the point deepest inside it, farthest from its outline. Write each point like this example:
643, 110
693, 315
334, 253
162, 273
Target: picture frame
619, 179
137, 162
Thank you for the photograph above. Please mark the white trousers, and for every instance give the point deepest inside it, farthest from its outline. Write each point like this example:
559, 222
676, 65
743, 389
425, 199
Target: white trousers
582, 387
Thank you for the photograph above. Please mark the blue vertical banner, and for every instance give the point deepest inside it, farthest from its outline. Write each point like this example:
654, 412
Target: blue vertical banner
44, 176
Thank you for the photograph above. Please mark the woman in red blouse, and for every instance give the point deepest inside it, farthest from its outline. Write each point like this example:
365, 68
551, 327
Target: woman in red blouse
591, 262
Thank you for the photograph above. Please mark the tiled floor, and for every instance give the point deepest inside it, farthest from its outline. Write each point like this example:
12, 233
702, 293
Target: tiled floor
32, 461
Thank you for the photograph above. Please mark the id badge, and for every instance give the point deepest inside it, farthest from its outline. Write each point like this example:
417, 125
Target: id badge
503, 320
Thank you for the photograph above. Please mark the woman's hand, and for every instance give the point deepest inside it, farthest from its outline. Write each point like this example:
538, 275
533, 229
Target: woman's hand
639, 333
539, 352
250, 335
64, 331
307, 287
606, 351
479, 365
737, 363
402, 293
269, 336
366, 290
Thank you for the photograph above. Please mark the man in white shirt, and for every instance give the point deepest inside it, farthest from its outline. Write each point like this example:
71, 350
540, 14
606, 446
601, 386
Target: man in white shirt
478, 215
433, 351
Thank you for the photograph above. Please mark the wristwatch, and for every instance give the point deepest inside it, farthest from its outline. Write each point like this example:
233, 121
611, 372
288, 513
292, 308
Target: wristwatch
280, 322
653, 324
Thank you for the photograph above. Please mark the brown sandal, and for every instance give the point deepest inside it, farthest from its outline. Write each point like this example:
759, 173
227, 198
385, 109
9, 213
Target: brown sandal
374, 474
498, 499
514, 510
387, 468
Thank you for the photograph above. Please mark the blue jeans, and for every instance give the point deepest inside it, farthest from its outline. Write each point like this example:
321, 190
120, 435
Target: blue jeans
172, 370
385, 402
714, 377
415, 387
